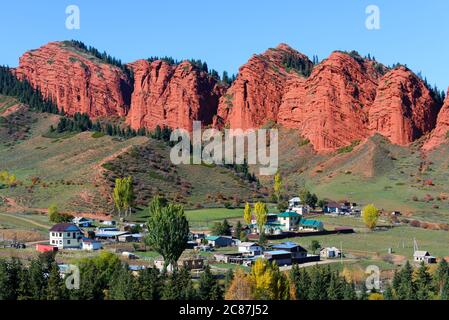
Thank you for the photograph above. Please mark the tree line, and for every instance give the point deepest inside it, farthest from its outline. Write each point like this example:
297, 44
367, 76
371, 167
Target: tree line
24, 92
419, 283
104, 56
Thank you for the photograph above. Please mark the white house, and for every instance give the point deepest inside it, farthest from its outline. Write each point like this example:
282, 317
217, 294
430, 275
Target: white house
250, 248
295, 205
289, 220
82, 222
91, 245
425, 256
66, 236
294, 202
330, 252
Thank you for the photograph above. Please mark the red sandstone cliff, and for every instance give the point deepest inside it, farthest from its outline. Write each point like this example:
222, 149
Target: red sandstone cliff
329, 107
172, 95
256, 95
404, 109
76, 81
440, 133
343, 99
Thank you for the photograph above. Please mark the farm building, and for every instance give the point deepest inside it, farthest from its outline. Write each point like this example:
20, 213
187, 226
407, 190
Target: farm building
250, 248
66, 236
313, 225
109, 235
280, 257
330, 252
91, 245
220, 241
296, 251
425, 256
82, 222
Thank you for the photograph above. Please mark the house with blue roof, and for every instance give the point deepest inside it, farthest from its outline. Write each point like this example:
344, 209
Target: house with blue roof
220, 241
296, 251
66, 236
280, 257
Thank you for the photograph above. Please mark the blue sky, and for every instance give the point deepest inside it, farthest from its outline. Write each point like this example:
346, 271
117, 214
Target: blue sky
227, 33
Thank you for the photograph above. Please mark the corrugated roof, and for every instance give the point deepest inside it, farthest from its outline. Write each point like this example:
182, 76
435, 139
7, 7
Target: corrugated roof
289, 214
311, 223
65, 227
287, 245
276, 252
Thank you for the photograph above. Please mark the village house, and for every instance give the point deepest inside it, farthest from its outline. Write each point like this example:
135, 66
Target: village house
330, 252
425, 256
280, 257
220, 241
108, 223
289, 220
311, 225
82, 222
105, 234
66, 236
91, 244
296, 251
296, 205
250, 248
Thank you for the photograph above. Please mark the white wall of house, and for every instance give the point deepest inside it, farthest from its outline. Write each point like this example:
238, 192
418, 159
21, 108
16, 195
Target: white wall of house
65, 240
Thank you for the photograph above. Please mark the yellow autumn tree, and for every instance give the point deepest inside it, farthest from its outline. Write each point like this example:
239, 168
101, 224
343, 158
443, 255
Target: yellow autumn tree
261, 211
269, 282
375, 296
370, 215
241, 287
247, 213
277, 187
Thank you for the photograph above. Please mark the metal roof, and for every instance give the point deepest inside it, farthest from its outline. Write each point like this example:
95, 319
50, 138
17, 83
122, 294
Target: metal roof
276, 252
289, 214
65, 227
287, 245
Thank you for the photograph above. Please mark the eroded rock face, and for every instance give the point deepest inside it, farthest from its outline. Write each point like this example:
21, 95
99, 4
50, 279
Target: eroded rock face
329, 107
172, 95
76, 81
404, 109
343, 99
440, 133
256, 95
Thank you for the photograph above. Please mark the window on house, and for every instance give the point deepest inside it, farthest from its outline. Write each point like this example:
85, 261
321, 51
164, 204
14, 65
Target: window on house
68, 234
68, 241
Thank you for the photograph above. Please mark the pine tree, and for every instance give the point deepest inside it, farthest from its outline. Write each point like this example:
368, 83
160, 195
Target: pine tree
37, 280
123, 285
441, 275
423, 283
229, 276
149, 284
406, 290
302, 282
56, 289
206, 284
